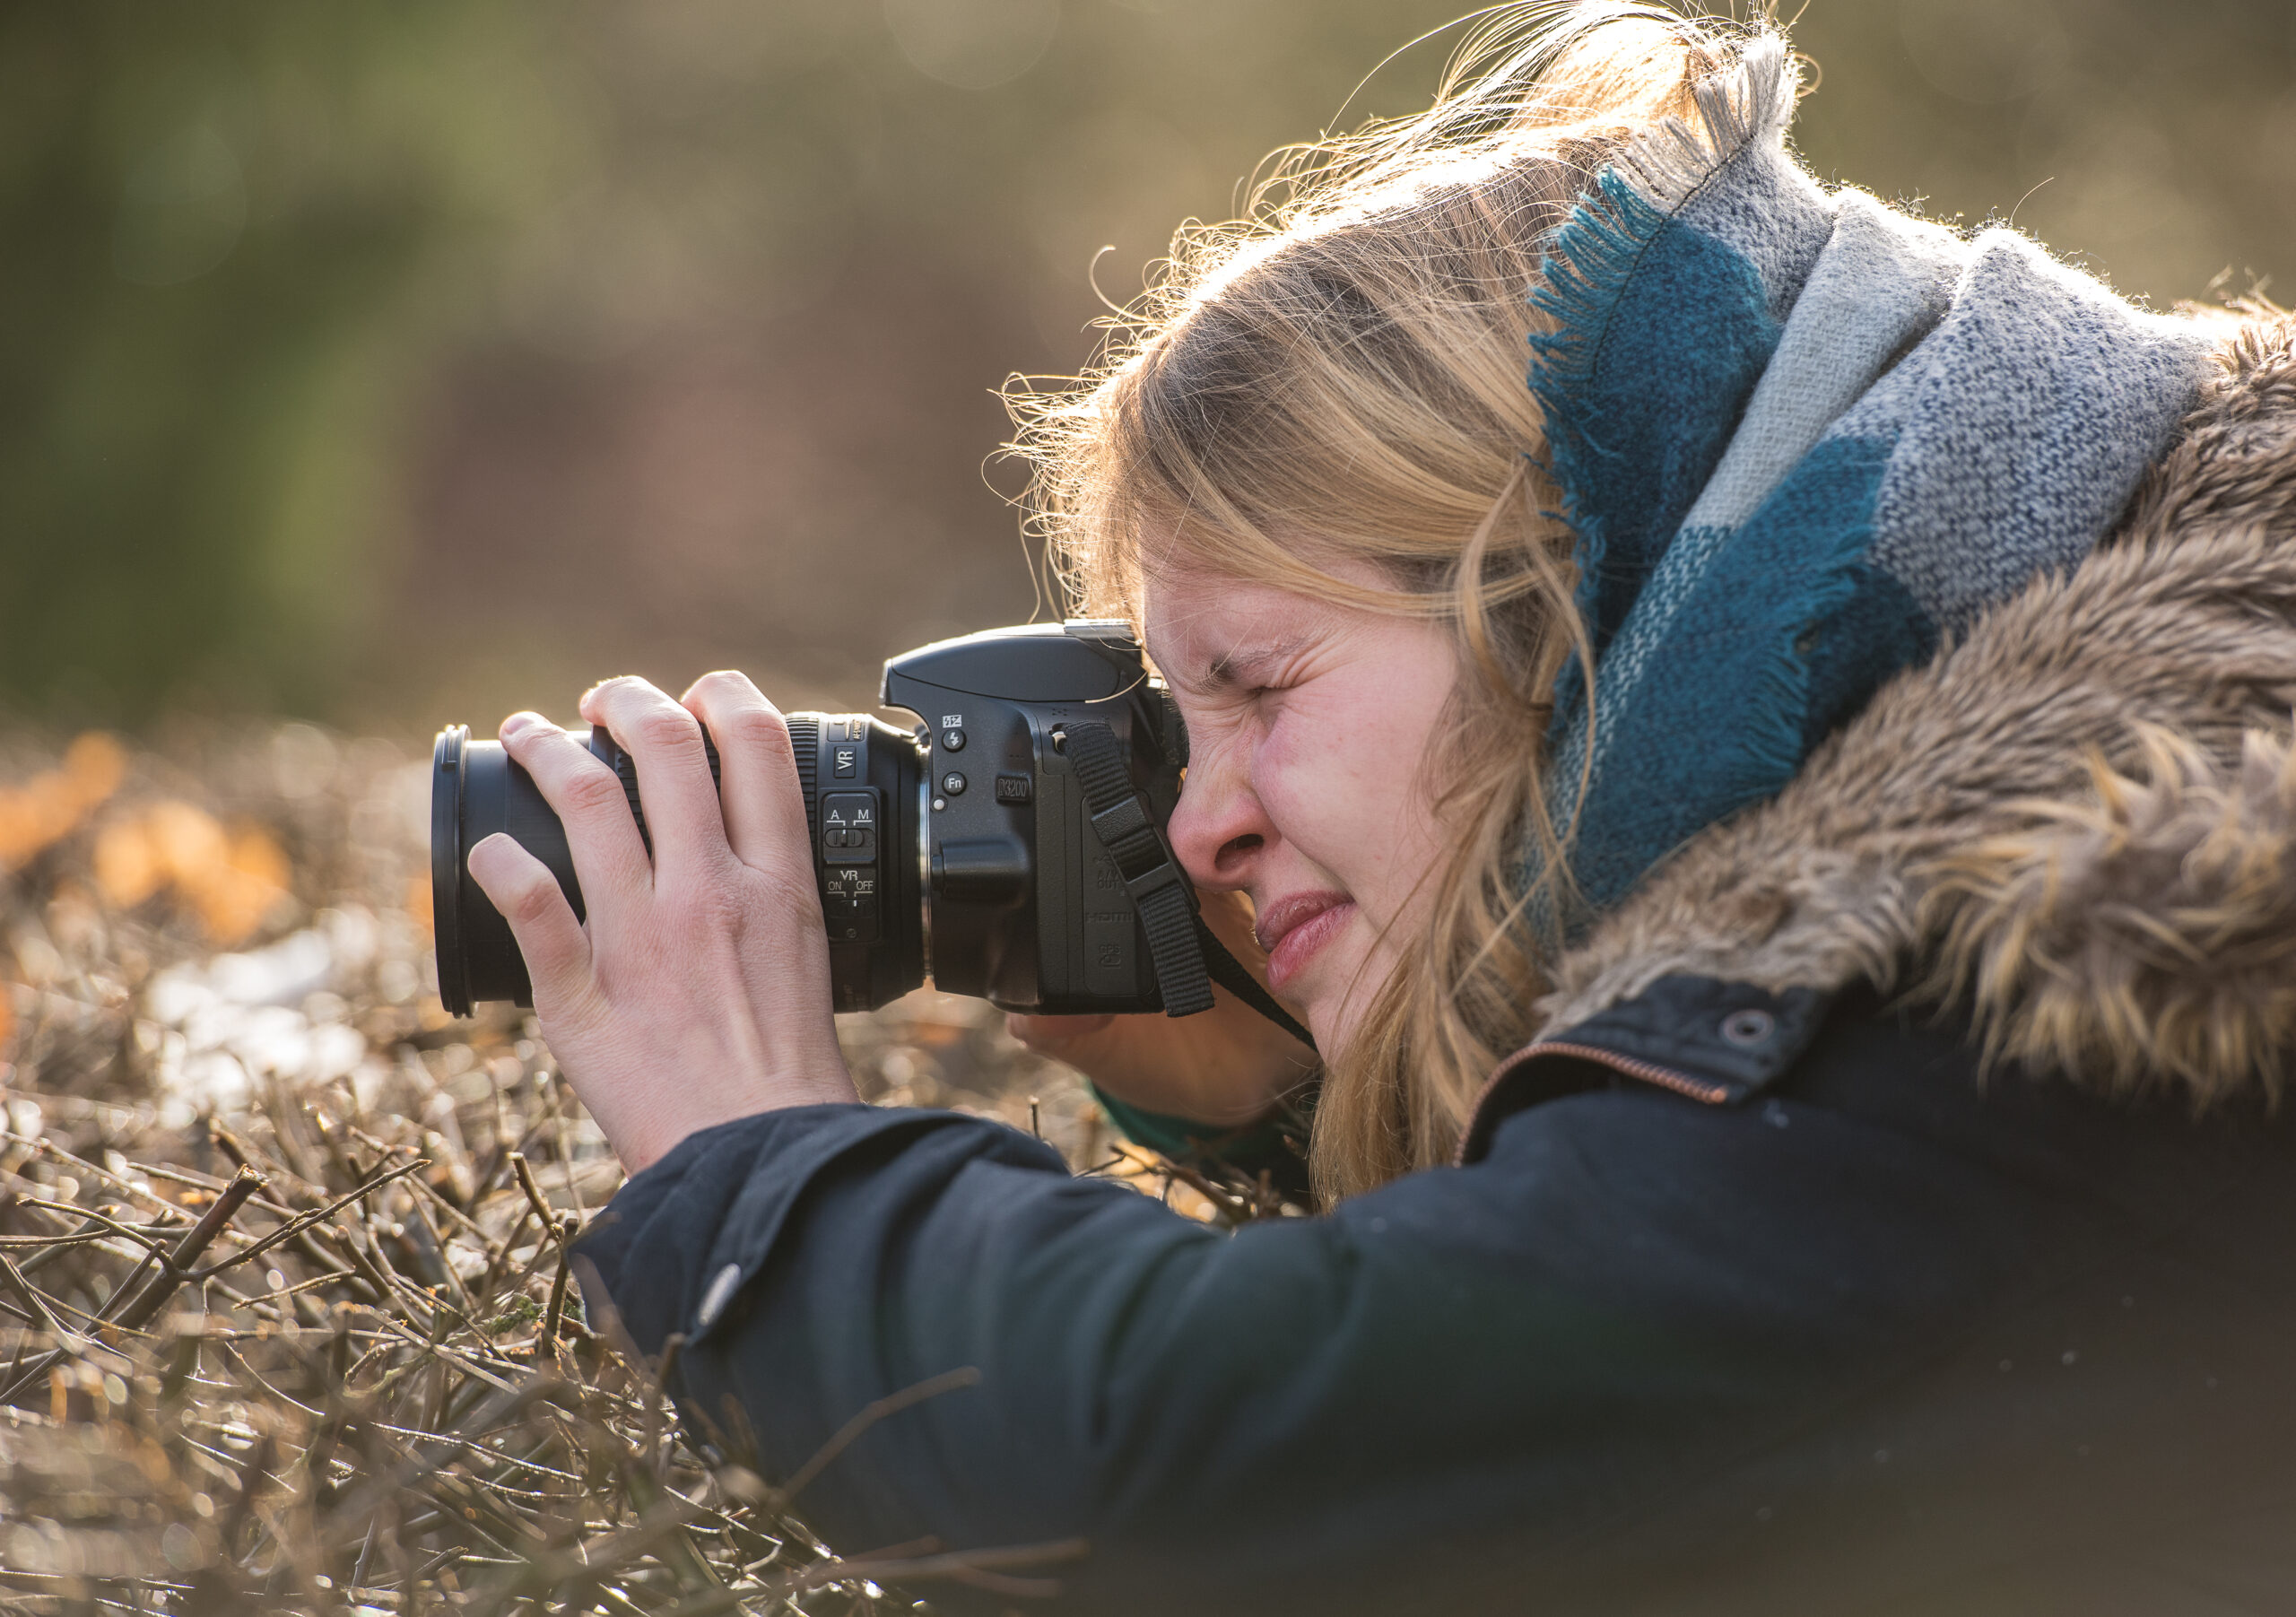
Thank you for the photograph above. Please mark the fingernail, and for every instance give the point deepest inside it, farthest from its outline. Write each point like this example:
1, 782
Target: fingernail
517, 724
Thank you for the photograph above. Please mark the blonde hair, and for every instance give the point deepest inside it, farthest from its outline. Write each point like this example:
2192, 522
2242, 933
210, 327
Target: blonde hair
1340, 374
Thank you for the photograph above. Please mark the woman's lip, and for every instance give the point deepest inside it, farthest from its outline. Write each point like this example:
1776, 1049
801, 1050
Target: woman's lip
1292, 929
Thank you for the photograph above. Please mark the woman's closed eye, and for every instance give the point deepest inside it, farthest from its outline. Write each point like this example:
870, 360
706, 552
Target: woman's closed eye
1260, 705
1266, 686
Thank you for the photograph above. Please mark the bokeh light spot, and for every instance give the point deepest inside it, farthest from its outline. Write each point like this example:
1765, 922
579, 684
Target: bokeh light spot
973, 43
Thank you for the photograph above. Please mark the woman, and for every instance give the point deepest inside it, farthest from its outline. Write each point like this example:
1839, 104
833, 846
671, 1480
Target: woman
1779, 830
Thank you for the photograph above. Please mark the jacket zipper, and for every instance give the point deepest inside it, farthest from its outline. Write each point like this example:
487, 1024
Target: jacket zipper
1666, 1078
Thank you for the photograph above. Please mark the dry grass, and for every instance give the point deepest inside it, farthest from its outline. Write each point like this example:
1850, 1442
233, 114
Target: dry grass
285, 1312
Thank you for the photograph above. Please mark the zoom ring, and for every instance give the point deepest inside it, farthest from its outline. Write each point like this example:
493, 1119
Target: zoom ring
806, 746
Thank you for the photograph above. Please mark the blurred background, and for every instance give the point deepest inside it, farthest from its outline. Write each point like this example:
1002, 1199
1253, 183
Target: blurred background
373, 364
390, 363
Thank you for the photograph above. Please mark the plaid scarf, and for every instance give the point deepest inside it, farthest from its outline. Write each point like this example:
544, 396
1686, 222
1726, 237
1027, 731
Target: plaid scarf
1800, 435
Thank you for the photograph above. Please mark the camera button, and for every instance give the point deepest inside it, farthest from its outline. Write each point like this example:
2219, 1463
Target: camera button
953, 784
953, 741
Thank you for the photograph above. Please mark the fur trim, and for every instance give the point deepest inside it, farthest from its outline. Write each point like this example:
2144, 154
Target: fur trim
2078, 820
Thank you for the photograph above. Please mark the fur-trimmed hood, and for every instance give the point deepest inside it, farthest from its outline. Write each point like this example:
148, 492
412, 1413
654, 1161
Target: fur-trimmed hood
2077, 822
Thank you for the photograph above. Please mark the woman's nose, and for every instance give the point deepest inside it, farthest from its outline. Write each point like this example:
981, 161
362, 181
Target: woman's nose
1219, 829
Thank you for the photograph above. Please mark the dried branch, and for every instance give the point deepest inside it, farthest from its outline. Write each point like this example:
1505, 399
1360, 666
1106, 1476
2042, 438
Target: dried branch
387, 1392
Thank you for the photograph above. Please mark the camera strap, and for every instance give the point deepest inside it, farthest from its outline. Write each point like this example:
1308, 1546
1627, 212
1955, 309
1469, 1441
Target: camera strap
1189, 958
1231, 974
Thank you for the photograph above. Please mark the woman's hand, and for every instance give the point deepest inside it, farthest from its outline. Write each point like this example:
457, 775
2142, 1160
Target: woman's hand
1224, 1067
698, 990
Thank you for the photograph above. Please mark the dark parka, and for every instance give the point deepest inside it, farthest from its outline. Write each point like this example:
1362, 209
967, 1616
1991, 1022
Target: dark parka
1893, 1218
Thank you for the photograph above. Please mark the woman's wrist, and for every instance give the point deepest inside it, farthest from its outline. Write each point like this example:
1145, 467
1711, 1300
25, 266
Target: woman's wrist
645, 1126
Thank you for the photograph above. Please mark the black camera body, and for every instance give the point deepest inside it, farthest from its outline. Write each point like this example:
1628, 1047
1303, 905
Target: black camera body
1023, 904
971, 851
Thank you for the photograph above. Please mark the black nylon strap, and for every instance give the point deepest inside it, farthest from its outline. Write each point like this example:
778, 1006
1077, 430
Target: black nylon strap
1186, 953
1230, 973
1166, 903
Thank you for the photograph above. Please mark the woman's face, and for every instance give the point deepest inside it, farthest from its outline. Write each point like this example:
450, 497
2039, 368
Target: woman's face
1308, 788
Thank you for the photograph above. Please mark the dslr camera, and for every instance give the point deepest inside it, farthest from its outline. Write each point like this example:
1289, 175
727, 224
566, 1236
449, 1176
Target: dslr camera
1011, 846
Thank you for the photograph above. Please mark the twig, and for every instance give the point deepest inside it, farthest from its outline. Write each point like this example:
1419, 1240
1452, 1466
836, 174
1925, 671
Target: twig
133, 1310
303, 1221
650, 1446
535, 1198
890, 1405
125, 1187
512, 1403
41, 1314
557, 1312
90, 1229
139, 1312
500, 1254
454, 1281
588, 1563
109, 1226
211, 1184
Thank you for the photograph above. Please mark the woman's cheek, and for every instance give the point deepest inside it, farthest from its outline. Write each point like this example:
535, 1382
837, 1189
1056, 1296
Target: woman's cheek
1289, 780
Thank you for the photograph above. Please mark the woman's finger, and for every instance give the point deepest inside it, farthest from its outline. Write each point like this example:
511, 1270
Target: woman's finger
609, 855
763, 806
673, 782
556, 948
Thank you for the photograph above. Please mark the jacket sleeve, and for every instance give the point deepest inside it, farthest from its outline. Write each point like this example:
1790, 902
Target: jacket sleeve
1499, 1354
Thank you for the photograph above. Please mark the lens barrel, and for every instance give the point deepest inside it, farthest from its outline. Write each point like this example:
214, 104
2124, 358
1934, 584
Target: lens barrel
863, 783
475, 791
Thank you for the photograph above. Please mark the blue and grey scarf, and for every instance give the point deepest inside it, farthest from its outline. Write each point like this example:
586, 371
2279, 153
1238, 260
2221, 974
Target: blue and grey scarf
1800, 437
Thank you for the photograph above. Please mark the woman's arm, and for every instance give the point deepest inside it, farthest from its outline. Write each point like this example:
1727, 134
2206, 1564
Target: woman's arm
1493, 1359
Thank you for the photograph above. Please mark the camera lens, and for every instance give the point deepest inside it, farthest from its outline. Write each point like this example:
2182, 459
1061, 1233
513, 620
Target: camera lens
861, 782
475, 791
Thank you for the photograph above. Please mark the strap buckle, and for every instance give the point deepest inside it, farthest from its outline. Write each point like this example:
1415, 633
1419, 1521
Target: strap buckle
1158, 876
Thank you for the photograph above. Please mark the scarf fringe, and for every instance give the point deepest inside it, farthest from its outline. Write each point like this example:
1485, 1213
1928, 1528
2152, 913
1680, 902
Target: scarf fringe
1751, 99
1596, 250
1592, 257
